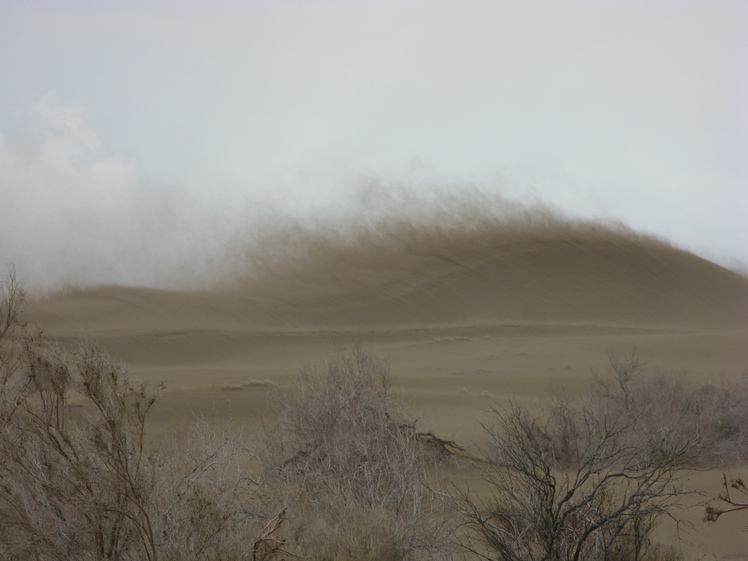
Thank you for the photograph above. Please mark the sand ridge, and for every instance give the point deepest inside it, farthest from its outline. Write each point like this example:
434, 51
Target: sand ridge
617, 280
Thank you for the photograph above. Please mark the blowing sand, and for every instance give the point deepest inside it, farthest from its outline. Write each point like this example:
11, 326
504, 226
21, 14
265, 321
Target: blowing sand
466, 318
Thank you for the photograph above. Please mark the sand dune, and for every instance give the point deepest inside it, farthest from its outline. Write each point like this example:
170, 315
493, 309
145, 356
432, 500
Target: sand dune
610, 279
615, 281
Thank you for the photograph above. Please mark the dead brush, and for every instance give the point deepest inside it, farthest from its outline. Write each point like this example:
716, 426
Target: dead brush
359, 480
82, 483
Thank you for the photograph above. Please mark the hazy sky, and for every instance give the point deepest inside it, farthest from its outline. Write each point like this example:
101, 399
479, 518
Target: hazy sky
133, 133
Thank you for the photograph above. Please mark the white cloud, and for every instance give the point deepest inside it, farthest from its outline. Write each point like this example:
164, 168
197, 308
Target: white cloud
65, 166
65, 205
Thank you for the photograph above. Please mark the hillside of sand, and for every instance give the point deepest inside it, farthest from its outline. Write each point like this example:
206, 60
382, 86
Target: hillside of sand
467, 317
571, 277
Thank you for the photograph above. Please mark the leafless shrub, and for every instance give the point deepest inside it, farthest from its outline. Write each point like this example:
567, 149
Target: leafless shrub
660, 408
11, 306
208, 494
353, 470
74, 485
714, 418
725, 409
82, 483
578, 480
344, 473
733, 498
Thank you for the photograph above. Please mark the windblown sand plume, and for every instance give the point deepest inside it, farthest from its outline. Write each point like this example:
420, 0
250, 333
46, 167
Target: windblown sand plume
397, 274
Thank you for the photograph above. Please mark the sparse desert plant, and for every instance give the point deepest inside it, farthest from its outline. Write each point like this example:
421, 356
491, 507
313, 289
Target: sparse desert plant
577, 480
725, 410
356, 475
713, 418
82, 482
72, 483
733, 498
209, 495
661, 409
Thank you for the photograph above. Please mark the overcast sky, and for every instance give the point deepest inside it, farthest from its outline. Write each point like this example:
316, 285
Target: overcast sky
133, 131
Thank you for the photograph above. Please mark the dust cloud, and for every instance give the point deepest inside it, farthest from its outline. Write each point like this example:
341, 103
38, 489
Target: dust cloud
163, 239
74, 216
389, 226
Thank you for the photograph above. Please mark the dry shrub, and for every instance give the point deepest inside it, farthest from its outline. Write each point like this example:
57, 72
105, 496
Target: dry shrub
82, 483
579, 479
713, 418
588, 478
209, 497
726, 412
733, 498
74, 485
356, 475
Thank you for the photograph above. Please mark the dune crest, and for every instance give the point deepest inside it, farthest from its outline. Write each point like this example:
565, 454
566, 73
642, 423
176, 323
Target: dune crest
533, 267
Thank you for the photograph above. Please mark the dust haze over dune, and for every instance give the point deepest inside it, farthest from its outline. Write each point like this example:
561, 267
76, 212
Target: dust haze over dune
382, 226
445, 255
74, 215
152, 237
368, 249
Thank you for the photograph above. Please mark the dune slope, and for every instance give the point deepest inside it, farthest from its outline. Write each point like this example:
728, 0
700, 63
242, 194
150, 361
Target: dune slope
612, 279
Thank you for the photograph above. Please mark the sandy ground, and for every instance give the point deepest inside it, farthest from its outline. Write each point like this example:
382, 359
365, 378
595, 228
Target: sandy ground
464, 328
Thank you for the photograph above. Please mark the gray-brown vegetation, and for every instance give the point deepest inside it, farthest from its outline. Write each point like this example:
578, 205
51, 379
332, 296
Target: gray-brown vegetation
666, 407
78, 479
578, 480
733, 498
590, 478
361, 480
